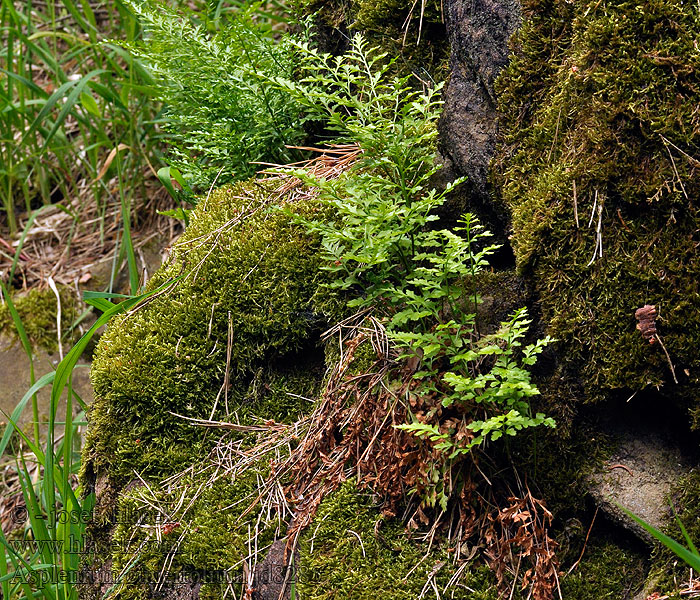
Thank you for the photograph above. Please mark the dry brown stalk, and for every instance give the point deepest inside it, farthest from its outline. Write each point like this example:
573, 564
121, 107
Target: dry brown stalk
521, 529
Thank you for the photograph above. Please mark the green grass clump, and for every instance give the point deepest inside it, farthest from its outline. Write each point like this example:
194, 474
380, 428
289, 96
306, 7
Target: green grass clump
600, 121
351, 552
249, 276
37, 310
68, 98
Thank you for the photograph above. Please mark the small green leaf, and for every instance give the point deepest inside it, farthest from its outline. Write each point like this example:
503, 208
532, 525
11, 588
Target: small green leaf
90, 104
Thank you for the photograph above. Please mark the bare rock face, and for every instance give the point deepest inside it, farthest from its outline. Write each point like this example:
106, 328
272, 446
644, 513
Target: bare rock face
479, 31
640, 476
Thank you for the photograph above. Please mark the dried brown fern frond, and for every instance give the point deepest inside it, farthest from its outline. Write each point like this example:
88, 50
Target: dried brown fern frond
519, 548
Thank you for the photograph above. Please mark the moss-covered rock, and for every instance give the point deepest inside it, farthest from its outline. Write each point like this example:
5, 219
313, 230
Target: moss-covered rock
598, 166
193, 533
234, 336
243, 303
412, 33
351, 552
37, 309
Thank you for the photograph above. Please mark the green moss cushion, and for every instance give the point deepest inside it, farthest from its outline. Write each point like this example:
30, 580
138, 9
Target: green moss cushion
351, 553
248, 274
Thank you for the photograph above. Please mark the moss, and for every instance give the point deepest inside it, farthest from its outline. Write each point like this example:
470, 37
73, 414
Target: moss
375, 15
667, 569
558, 466
601, 98
37, 311
205, 543
248, 276
364, 358
350, 552
606, 571
500, 293
283, 394
392, 25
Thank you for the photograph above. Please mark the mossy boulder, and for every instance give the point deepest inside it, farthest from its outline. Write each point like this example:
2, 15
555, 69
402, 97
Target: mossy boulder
242, 309
598, 165
244, 300
188, 535
234, 336
38, 309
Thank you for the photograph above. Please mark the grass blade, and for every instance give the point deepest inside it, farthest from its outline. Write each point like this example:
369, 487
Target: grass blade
692, 559
73, 97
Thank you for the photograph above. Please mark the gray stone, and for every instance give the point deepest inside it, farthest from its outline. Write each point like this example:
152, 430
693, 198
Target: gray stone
479, 31
15, 380
639, 476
